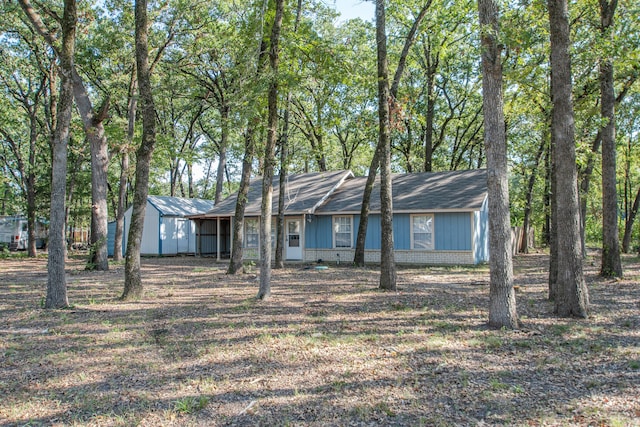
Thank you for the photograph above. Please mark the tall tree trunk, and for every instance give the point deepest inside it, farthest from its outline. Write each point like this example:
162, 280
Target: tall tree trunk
611, 264
551, 215
284, 163
572, 297
585, 183
56, 280
30, 184
235, 263
25, 176
122, 205
361, 237
387, 256
628, 226
124, 167
502, 300
375, 161
529, 197
282, 187
269, 158
133, 288
94, 130
432, 68
222, 152
546, 198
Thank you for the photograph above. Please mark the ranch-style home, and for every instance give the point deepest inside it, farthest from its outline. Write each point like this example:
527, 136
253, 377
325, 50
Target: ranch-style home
439, 218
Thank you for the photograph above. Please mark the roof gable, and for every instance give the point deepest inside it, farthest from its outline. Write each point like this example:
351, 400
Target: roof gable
304, 194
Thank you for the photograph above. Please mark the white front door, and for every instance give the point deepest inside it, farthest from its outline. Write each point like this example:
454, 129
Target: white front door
293, 239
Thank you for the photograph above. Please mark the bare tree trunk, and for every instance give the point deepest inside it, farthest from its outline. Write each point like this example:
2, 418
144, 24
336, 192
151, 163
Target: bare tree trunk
124, 168
269, 158
284, 162
122, 205
572, 297
628, 228
611, 264
375, 161
552, 218
133, 288
364, 209
502, 300
30, 180
25, 177
282, 188
56, 281
585, 183
432, 67
235, 263
94, 129
387, 256
529, 197
546, 198
222, 155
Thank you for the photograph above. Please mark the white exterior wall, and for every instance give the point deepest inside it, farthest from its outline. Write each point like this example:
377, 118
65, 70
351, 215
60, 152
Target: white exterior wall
168, 237
192, 236
178, 235
150, 244
175, 239
150, 241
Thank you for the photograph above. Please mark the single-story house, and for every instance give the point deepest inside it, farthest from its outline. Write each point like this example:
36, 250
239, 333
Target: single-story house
167, 230
438, 218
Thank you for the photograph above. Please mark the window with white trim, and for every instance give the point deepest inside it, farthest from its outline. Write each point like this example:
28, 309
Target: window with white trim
342, 231
251, 233
422, 231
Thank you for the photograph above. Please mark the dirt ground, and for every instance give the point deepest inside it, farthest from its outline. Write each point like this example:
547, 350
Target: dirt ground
328, 349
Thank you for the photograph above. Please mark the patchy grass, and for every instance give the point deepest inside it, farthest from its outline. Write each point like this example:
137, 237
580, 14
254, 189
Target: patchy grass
327, 349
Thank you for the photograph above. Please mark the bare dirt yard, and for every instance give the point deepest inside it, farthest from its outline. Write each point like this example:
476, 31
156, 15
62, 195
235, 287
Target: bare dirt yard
328, 349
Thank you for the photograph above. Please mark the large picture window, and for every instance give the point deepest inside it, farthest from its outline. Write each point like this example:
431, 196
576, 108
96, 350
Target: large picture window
342, 231
251, 233
422, 231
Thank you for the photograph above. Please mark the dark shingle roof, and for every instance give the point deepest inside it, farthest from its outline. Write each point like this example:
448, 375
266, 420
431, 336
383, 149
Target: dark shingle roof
415, 192
305, 192
179, 206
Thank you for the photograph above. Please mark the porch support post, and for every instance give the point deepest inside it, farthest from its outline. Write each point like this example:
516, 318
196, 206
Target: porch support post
218, 239
197, 223
303, 242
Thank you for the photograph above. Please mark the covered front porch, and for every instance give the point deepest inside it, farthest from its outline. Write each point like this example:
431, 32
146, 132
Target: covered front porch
214, 237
